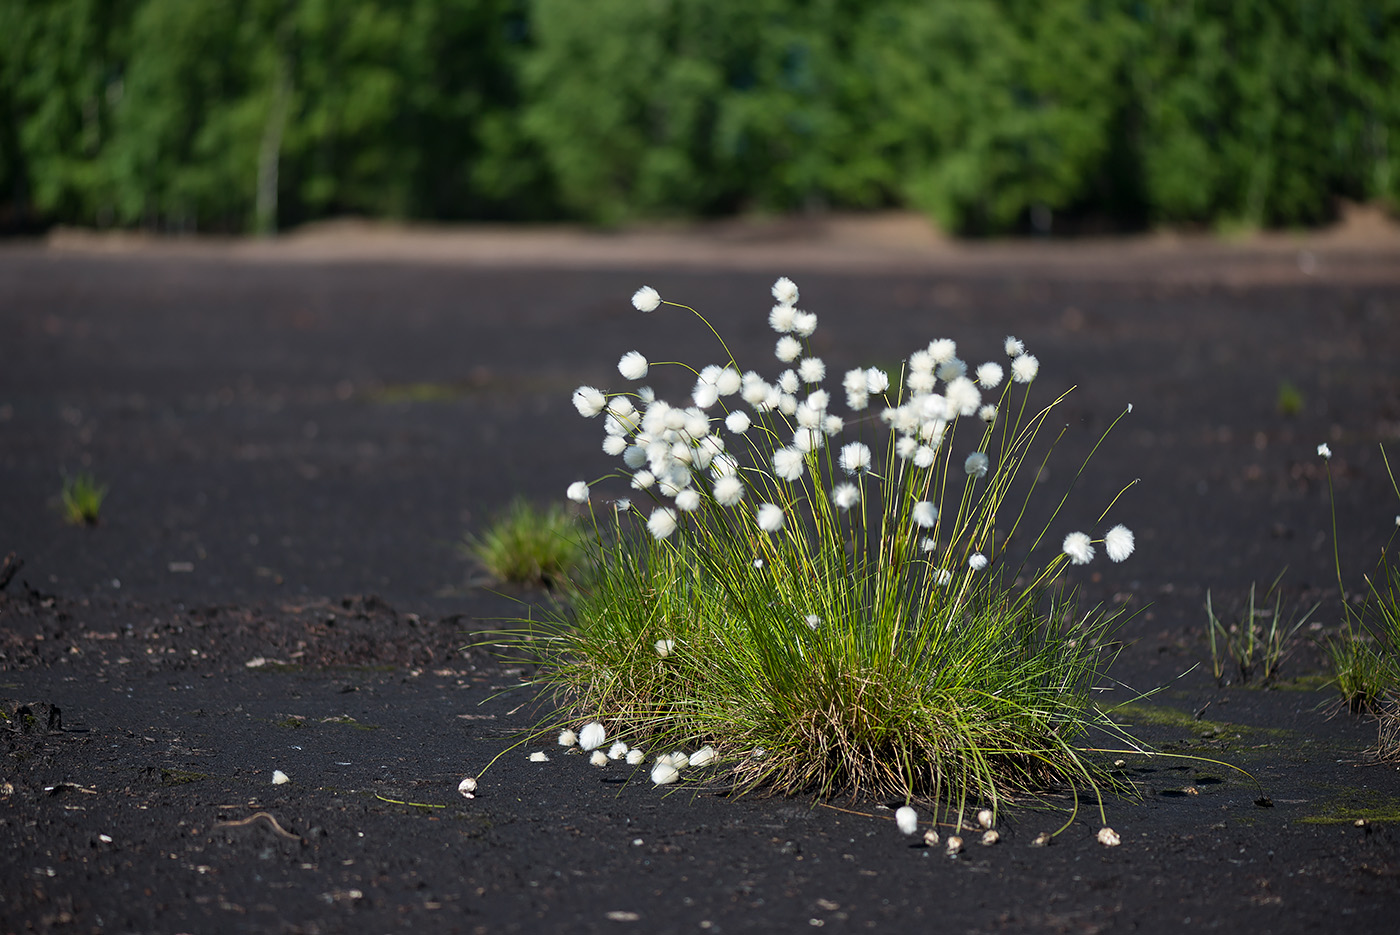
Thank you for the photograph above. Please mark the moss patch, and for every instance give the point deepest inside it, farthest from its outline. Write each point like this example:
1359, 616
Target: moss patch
1345, 806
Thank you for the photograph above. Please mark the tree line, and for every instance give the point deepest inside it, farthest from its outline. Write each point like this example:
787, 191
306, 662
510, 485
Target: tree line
988, 115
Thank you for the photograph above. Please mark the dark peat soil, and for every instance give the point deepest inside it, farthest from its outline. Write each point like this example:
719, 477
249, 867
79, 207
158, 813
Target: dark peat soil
294, 451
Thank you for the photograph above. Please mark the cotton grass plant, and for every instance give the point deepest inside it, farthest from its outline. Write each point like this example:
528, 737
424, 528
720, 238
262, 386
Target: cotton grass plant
830, 597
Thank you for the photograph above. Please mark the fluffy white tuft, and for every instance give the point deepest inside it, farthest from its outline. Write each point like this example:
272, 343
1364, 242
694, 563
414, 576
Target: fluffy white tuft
855, 457
976, 464
662, 522
1079, 548
990, 374
578, 492
785, 291
592, 736
812, 370
925, 514
646, 299
589, 401
906, 819
1118, 543
780, 319
788, 463
977, 561
729, 490
1024, 368
770, 517
633, 366
788, 348
845, 496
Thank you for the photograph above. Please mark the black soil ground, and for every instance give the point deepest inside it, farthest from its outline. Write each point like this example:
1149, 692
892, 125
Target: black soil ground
295, 446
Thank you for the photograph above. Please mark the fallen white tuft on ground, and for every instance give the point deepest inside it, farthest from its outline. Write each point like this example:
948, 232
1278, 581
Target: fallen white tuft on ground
567, 738
1109, 838
599, 758
539, 757
907, 819
279, 777
593, 736
467, 787
663, 773
635, 757
703, 756
617, 751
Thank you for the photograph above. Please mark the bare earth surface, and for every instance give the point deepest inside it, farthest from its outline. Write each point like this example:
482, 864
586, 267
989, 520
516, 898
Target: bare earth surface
298, 433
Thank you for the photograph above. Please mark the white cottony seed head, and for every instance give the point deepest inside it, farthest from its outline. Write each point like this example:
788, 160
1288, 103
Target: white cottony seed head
645, 299
703, 757
845, 496
617, 751
780, 319
664, 648
1025, 368
728, 490
925, 514
907, 819
990, 374
567, 738
770, 517
593, 736
662, 521
539, 757
1078, 547
1325, 451
280, 778
785, 291
599, 758
633, 365
788, 348
467, 787
976, 464
663, 773
578, 492
1118, 543
1109, 838
1014, 348
635, 757
589, 401
977, 561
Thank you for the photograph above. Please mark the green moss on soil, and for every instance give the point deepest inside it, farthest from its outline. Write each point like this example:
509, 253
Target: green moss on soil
1345, 806
179, 777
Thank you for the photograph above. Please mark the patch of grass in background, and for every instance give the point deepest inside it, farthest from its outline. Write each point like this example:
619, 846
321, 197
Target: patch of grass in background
528, 544
81, 498
1260, 638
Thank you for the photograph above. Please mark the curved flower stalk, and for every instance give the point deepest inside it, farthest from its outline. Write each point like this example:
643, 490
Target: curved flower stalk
828, 585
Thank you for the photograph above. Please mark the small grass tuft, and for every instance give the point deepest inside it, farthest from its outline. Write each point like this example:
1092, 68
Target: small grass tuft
1365, 657
81, 498
1259, 640
1289, 401
527, 544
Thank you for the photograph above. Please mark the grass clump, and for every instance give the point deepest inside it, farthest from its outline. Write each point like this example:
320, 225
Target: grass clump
528, 544
1260, 638
835, 603
81, 499
1365, 656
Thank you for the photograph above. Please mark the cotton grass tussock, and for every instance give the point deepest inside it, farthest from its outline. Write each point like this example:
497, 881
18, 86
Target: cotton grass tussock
829, 587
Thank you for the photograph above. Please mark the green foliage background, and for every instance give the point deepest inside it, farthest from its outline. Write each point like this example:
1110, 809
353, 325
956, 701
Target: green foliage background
246, 114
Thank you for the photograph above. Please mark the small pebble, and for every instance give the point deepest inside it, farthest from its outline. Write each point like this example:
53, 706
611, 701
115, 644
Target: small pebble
954, 845
984, 818
931, 837
279, 777
907, 819
990, 837
467, 787
1042, 839
1109, 838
